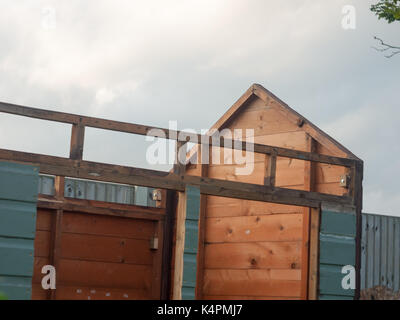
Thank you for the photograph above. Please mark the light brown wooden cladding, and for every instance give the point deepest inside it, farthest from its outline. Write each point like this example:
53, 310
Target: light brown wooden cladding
76, 292
327, 176
253, 255
38, 264
42, 243
256, 250
282, 227
100, 257
105, 249
43, 220
228, 207
228, 172
104, 274
107, 226
262, 283
264, 120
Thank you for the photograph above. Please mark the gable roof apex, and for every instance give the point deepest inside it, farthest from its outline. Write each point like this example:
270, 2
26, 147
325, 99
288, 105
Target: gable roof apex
257, 90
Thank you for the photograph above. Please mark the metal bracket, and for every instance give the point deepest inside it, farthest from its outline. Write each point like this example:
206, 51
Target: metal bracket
157, 195
345, 181
154, 243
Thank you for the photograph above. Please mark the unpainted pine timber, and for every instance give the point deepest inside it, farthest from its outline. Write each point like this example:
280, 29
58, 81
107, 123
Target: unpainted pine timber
253, 282
76, 222
105, 274
314, 254
309, 185
77, 292
158, 261
168, 241
202, 231
89, 247
180, 156
158, 179
270, 174
102, 208
179, 246
55, 252
42, 243
242, 229
77, 142
169, 134
217, 207
254, 255
309, 127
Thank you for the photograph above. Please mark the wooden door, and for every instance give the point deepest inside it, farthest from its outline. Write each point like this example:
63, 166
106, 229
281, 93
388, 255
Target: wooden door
97, 256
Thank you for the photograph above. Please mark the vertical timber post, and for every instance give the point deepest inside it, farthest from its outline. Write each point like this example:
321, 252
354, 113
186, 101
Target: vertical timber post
187, 236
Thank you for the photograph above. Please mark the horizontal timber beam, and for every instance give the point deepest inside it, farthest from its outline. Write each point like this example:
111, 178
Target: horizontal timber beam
164, 180
170, 134
100, 208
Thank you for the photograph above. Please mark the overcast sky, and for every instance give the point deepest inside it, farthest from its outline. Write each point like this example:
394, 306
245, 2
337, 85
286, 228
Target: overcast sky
154, 61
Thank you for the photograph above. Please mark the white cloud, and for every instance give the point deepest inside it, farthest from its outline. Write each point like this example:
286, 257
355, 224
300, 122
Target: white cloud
188, 60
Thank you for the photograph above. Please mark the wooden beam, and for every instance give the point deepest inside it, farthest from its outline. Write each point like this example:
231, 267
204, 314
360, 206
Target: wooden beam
309, 185
186, 247
179, 246
77, 141
314, 254
180, 157
202, 230
168, 244
158, 179
101, 208
55, 252
270, 173
157, 261
168, 134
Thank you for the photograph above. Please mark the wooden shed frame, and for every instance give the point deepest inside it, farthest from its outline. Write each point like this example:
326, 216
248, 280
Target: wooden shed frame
178, 180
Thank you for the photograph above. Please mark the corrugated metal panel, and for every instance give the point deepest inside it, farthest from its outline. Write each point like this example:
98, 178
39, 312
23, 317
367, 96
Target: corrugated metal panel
380, 251
18, 197
191, 243
337, 249
100, 191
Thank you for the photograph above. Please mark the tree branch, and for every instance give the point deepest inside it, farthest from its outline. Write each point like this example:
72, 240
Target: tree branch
386, 47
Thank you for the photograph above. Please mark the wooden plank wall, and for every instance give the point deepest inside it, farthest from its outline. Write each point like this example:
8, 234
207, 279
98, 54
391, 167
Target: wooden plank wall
255, 250
99, 257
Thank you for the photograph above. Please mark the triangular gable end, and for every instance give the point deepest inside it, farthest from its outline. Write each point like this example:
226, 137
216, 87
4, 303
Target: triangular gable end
258, 91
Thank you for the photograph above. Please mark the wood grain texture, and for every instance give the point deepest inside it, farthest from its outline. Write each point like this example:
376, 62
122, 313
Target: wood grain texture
253, 255
281, 227
107, 226
179, 246
314, 255
97, 256
261, 283
104, 274
228, 207
106, 249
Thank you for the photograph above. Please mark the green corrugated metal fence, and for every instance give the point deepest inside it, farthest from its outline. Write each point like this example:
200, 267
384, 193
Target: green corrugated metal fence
191, 243
380, 251
337, 249
18, 197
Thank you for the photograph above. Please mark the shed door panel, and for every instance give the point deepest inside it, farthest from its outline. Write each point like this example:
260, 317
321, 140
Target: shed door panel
100, 257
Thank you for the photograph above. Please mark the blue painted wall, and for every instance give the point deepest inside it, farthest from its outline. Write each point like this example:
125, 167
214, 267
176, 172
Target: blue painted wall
337, 249
18, 201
